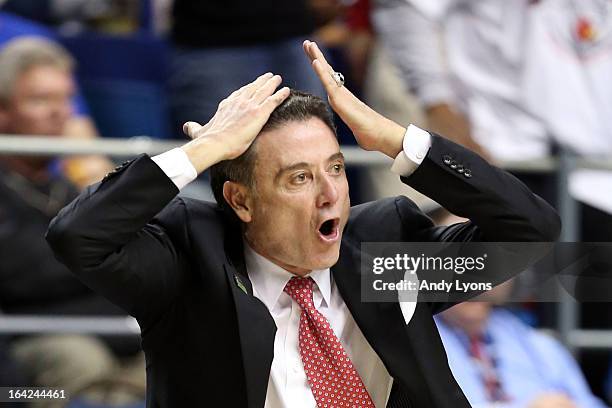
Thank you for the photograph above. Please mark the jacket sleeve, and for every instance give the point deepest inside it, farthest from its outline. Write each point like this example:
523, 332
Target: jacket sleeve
499, 206
111, 238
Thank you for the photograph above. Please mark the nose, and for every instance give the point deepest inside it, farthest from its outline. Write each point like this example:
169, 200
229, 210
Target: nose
64, 107
328, 191
61, 109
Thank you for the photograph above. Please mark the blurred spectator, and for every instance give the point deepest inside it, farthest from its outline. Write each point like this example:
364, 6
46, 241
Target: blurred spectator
513, 80
80, 170
500, 362
462, 59
36, 90
221, 45
12, 26
566, 72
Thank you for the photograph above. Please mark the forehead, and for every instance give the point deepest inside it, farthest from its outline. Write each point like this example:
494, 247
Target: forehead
45, 76
309, 141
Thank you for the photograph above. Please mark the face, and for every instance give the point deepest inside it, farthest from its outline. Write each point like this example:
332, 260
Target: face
471, 317
300, 203
40, 103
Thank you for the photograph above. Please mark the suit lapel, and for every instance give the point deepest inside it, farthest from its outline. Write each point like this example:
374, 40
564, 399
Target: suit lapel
256, 326
256, 329
382, 324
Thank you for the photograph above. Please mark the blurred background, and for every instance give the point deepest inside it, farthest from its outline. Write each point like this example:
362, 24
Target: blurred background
87, 84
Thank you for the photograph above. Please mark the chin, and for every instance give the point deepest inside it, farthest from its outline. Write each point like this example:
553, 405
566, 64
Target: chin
326, 260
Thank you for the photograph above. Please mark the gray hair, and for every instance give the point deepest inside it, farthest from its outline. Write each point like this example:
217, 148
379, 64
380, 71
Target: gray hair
23, 53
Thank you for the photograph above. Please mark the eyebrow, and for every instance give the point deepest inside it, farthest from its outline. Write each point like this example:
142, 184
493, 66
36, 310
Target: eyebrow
300, 165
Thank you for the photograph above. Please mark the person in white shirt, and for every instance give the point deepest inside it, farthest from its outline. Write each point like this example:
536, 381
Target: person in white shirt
463, 59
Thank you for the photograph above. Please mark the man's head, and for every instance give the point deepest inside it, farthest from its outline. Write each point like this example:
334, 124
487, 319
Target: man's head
36, 87
471, 317
289, 189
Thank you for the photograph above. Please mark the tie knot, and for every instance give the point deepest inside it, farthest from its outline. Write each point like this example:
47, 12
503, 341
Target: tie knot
300, 289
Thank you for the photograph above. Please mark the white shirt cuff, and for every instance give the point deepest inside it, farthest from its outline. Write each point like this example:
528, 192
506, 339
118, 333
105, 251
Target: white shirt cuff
177, 167
416, 144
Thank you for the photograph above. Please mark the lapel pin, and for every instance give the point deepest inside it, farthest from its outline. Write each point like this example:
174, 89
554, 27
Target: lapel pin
240, 284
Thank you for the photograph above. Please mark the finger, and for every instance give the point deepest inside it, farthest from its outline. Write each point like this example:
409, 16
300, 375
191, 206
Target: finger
275, 99
248, 89
308, 49
325, 76
191, 128
314, 53
306, 46
257, 84
267, 89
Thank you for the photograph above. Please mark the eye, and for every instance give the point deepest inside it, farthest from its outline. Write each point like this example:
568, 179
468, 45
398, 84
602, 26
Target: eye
299, 178
337, 168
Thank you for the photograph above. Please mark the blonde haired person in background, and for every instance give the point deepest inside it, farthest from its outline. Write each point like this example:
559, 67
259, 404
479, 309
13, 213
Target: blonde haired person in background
36, 97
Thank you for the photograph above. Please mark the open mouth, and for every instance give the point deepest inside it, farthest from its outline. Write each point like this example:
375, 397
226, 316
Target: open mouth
328, 230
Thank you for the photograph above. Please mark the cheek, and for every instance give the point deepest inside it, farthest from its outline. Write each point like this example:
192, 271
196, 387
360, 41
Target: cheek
283, 218
32, 115
343, 192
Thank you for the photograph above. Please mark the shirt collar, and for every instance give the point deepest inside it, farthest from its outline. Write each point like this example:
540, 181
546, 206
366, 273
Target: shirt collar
269, 280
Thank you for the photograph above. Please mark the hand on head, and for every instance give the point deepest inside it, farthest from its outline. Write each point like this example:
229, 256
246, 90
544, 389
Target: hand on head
238, 120
372, 130
241, 116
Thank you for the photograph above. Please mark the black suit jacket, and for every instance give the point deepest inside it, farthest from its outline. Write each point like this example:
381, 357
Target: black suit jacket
177, 266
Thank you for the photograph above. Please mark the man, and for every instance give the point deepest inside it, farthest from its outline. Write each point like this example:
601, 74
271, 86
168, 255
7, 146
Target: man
499, 361
81, 170
36, 90
214, 288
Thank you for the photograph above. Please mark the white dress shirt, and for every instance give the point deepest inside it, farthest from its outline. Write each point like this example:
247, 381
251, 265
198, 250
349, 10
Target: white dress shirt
288, 385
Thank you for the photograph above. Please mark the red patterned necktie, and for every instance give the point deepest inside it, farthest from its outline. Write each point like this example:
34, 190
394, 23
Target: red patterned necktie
332, 377
490, 379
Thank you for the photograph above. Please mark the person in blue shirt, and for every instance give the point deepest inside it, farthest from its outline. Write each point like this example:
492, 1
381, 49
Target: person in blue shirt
499, 361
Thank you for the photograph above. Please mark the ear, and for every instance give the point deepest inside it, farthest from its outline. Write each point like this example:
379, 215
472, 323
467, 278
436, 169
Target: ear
238, 197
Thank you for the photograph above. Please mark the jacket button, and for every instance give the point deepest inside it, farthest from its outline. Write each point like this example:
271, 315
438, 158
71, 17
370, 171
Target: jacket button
446, 159
453, 165
467, 173
460, 169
